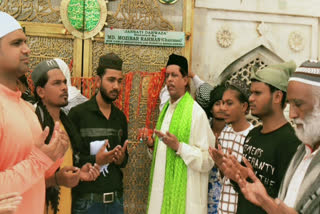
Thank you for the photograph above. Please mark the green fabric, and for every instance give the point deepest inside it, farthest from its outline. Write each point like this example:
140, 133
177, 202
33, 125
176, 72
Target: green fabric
276, 75
175, 186
76, 14
84, 15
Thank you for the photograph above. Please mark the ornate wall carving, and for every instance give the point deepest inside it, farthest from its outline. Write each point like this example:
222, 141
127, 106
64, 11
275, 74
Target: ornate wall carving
224, 37
48, 48
135, 58
296, 41
44, 11
139, 14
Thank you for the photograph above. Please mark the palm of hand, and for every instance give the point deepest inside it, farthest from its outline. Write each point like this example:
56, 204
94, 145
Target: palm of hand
84, 173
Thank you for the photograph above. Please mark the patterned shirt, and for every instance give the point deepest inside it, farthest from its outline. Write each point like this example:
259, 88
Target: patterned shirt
233, 140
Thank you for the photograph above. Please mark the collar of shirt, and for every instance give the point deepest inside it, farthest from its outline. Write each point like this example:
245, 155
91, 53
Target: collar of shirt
310, 153
93, 106
174, 104
16, 95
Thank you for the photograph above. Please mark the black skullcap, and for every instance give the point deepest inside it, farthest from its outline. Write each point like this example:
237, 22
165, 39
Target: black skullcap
109, 61
180, 61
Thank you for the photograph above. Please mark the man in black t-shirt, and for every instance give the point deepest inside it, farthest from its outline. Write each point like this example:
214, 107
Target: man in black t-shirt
104, 130
270, 147
299, 191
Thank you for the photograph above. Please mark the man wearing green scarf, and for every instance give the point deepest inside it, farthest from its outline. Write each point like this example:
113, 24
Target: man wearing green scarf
181, 162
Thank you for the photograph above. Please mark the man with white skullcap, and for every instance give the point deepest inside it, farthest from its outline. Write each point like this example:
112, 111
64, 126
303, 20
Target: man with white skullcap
300, 189
24, 157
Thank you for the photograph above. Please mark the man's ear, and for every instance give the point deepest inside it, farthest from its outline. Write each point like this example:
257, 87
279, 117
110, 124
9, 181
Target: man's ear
277, 96
98, 81
40, 92
186, 80
245, 107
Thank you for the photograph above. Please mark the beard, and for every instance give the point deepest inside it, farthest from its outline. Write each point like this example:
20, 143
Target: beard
266, 110
218, 118
105, 96
309, 133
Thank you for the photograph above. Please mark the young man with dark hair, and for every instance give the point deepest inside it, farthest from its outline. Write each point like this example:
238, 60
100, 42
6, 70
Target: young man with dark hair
235, 108
99, 120
52, 94
269, 147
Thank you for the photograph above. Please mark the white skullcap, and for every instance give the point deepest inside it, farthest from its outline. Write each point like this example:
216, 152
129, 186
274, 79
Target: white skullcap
8, 24
65, 70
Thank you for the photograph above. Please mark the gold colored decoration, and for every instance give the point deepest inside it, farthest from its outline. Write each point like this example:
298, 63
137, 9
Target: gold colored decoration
224, 37
31, 10
44, 48
135, 58
139, 14
77, 13
296, 41
168, 1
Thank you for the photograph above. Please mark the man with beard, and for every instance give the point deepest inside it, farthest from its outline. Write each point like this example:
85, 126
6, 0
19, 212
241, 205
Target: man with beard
99, 120
51, 93
300, 189
24, 157
270, 147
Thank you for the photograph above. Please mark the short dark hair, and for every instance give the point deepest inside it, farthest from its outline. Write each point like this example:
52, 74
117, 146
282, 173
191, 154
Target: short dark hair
42, 81
273, 89
101, 71
241, 96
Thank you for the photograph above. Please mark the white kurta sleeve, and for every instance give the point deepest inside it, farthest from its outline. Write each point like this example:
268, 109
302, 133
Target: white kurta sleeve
196, 153
164, 97
197, 81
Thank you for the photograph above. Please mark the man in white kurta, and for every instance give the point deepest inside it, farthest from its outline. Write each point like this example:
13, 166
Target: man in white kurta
194, 153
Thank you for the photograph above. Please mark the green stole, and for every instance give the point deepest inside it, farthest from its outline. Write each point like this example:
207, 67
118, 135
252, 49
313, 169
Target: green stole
175, 185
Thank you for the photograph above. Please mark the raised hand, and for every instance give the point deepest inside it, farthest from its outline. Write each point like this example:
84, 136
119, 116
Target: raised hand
217, 155
145, 135
89, 172
254, 192
9, 203
120, 153
103, 157
168, 139
58, 144
68, 176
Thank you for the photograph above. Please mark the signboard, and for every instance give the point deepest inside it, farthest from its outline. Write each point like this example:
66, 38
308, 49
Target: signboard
144, 37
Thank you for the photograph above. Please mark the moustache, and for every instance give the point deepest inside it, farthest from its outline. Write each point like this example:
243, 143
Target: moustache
115, 91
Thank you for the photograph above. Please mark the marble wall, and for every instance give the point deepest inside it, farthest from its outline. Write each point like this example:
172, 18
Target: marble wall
230, 32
